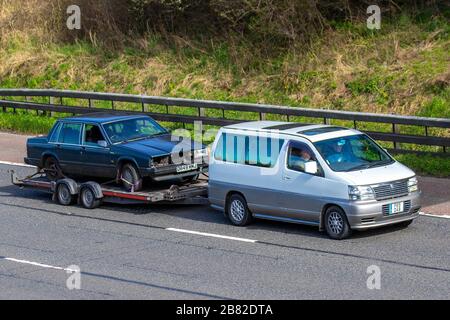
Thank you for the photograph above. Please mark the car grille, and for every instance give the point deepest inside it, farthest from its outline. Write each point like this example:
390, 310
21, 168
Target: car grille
181, 158
391, 190
406, 208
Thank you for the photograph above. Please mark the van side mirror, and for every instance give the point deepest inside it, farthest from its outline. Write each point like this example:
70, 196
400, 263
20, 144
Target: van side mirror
311, 167
102, 143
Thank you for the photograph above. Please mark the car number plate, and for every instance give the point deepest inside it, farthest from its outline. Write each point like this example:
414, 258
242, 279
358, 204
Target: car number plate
186, 167
396, 207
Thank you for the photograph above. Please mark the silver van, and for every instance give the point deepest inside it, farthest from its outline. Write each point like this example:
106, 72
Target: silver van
335, 178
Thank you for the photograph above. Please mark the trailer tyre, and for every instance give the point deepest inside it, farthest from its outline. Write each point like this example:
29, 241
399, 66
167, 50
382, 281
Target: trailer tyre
88, 198
238, 212
63, 195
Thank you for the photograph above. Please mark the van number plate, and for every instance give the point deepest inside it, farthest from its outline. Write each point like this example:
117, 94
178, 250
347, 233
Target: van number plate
186, 167
396, 207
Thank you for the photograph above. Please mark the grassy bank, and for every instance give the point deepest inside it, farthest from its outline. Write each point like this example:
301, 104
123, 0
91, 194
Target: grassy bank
402, 69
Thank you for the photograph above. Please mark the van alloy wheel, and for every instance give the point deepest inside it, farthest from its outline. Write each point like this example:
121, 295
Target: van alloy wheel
237, 210
335, 222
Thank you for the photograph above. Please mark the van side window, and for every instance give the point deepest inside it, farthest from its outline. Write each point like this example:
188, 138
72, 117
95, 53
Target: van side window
249, 150
298, 155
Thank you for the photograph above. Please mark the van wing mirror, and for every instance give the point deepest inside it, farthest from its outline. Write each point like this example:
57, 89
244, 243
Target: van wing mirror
102, 143
311, 167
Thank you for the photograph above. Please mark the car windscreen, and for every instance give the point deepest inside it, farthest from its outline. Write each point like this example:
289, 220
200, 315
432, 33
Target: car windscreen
351, 153
132, 129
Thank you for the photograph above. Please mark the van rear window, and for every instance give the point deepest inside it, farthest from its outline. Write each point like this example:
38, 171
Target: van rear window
249, 150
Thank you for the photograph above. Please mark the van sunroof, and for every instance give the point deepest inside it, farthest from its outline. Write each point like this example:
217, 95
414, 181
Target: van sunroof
286, 126
315, 131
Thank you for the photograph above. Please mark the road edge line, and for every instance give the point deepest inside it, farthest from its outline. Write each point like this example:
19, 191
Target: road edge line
16, 164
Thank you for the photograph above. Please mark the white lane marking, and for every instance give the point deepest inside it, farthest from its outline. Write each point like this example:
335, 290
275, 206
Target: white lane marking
37, 264
435, 215
17, 164
212, 235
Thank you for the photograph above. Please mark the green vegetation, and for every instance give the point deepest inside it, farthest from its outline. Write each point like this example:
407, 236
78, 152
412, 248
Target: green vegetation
235, 52
22, 122
426, 164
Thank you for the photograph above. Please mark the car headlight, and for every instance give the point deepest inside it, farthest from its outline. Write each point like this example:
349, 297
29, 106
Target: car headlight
151, 163
201, 153
361, 193
413, 185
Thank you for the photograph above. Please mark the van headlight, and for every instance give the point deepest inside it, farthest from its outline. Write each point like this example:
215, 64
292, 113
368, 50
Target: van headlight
413, 185
361, 193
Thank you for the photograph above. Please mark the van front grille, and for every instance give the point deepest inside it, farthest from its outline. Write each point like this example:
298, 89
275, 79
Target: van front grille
390, 190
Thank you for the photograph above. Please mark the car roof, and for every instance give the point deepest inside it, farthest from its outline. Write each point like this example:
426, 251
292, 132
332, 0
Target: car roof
103, 117
312, 132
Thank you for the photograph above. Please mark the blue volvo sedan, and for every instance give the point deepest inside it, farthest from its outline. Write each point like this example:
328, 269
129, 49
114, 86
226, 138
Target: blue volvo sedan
124, 147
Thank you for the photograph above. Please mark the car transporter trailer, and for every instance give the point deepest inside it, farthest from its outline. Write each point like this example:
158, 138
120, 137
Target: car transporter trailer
91, 194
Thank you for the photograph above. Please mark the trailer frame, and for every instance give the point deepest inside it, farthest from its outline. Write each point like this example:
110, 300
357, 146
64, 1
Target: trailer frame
193, 193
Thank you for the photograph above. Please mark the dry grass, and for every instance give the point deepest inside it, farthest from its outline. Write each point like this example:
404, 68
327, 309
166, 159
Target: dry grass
401, 69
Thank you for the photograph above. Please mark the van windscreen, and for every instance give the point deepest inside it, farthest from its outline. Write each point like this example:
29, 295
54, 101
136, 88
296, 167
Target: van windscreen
350, 153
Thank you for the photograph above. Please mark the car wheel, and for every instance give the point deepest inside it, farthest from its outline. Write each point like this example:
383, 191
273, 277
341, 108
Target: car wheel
88, 200
63, 195
191, 178
336, 223
131, 179
237, 210
52, 169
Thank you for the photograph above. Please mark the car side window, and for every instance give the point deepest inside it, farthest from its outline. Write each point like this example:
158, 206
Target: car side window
55, 132
92, 135
298, 155
70, 133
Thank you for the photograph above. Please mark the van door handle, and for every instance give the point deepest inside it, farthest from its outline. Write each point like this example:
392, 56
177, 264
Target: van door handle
287, 177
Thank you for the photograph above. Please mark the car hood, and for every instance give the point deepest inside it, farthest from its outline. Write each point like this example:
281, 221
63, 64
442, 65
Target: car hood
160, 145
391, 172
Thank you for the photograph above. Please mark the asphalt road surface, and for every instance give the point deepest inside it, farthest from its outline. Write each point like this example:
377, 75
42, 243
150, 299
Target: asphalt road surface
174, 252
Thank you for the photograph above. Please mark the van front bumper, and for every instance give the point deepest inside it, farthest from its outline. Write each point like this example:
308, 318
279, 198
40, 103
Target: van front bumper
364, 215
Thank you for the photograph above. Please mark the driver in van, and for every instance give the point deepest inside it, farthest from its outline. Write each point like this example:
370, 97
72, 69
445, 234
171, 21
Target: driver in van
299, 157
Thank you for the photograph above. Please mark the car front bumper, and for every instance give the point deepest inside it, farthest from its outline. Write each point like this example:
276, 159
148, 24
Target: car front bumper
363, 215
169, 172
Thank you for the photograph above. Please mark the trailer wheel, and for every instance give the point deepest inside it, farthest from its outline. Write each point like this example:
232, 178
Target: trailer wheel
63, 195
87, 198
